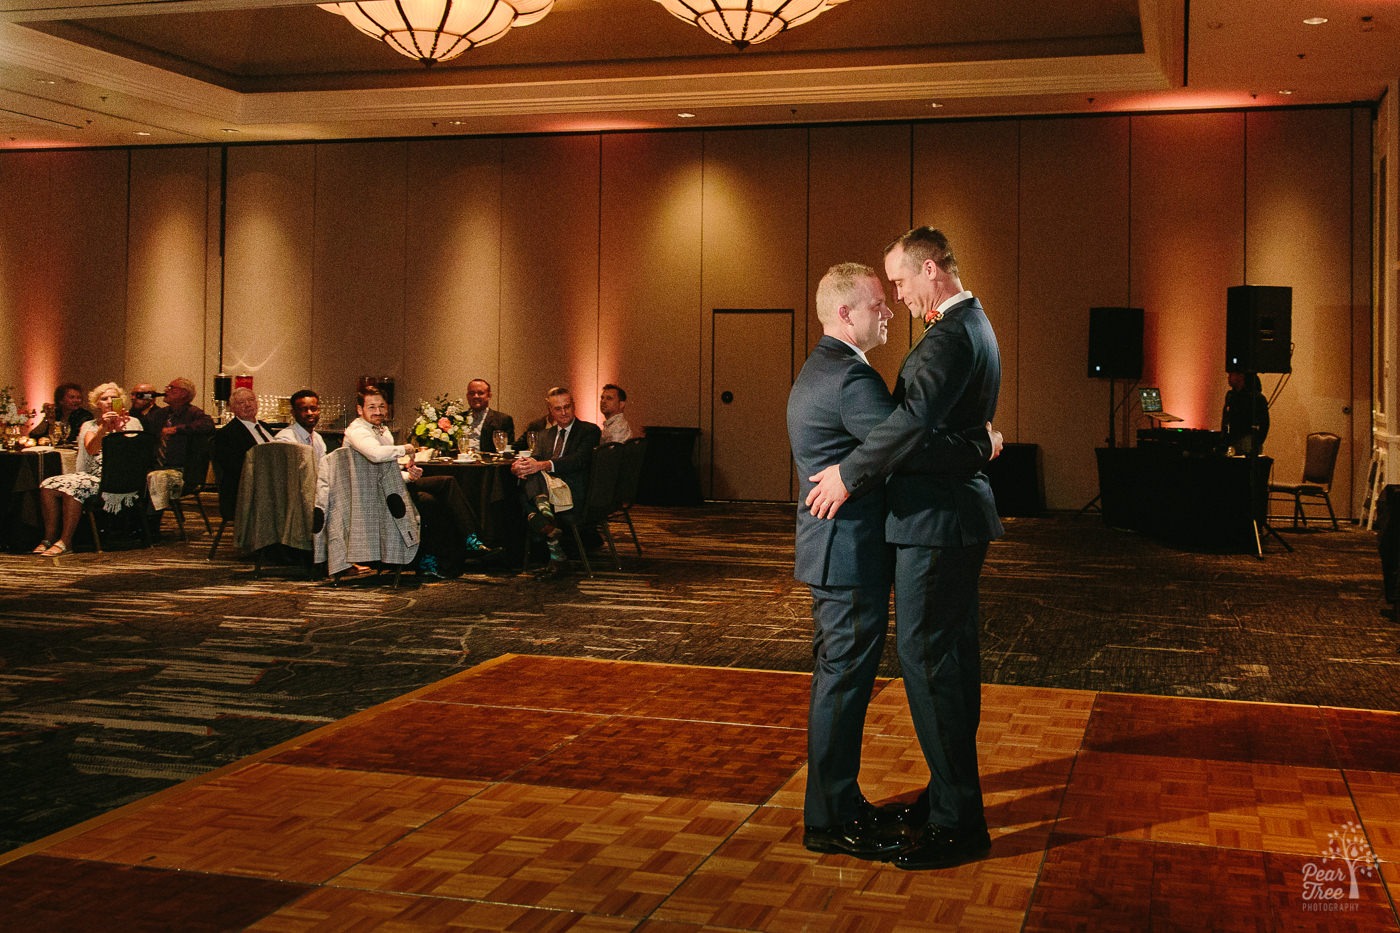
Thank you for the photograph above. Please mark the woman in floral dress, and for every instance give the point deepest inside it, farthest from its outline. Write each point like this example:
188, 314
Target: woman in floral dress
62, 497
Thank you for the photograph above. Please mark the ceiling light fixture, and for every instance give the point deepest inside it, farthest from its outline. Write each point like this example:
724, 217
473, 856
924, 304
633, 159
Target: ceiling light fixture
743, 23
685, 115
1315, 20
438, 30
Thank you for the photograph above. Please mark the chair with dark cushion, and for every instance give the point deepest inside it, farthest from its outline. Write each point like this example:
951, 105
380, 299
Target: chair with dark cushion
600, 502
629, 480
127, 456
1319, 463
195, 480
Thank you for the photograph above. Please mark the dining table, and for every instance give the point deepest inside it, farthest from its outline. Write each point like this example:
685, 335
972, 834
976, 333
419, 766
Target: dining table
21, 472
492, 491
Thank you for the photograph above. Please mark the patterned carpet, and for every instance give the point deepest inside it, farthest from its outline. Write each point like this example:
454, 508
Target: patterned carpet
124, 673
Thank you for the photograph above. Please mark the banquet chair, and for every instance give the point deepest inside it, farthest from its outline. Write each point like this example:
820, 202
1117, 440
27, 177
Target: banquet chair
629, 480
228, 506
276, 499
1319, 462
195, 480
127, 456
363, 515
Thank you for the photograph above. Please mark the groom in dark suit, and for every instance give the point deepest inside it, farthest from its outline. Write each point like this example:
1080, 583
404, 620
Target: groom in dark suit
940, 524
835, 402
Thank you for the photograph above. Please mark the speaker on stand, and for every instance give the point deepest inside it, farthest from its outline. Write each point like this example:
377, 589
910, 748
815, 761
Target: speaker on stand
1259, 339
1115, 352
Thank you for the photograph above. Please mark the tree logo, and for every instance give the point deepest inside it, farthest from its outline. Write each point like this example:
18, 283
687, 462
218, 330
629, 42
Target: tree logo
1331, 884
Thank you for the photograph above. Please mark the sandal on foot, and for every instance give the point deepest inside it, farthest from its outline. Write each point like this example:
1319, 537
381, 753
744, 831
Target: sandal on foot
58, 549
43, 546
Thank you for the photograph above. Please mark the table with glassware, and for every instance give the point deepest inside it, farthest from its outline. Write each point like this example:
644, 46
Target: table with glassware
21, 472
492, 491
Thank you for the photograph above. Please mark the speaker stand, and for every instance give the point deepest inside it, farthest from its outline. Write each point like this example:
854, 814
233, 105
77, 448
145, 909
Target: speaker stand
1259, 505
1093, 504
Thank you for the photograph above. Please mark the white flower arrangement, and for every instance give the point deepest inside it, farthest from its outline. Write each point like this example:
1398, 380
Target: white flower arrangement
12, 410
439, 424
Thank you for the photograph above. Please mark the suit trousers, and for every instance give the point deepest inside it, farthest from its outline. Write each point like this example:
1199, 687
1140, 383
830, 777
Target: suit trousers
936, 631
848, 638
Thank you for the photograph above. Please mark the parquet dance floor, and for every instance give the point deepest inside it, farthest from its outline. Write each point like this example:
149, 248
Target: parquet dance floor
541, 793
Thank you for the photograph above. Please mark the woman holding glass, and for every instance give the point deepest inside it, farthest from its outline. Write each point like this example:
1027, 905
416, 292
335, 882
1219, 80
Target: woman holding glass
62, 497
67, 414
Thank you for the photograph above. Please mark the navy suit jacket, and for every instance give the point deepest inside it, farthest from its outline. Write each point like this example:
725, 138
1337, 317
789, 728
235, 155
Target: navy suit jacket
835, 403
572, 465
948, 383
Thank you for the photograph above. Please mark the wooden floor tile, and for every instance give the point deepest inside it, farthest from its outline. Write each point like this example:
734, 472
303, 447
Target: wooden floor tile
1092, 883
272, 821
714, 761
764, 879
330, 910
443, 740
1220, 730
45, 894
1376, 795
567, 684
764, 698
1311, 893
590, 851
1366, 740
1229, 804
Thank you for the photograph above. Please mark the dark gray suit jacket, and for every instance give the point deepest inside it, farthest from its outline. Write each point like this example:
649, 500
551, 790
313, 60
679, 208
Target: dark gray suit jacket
572, 466
496, 421
834, 404
949, 382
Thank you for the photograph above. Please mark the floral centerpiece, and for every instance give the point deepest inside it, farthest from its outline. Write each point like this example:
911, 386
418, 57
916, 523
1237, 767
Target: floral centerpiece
439, 425
13, 415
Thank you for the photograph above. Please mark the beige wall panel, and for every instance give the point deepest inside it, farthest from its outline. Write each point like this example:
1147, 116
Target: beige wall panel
1362, 332
859, 202
86, 262
966, 183
358, 321
1074, 256
454, 269
270, 245
168, 271
32, 356
1187, 249
1299, 233
649, 309
549, 273
754, 255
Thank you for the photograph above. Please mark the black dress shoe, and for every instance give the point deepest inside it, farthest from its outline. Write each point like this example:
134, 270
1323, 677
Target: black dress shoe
940, 847
913, 814
860, 838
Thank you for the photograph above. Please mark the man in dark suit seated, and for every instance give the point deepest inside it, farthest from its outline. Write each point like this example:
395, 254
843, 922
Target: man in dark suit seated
482, 420
235, 439
565, 451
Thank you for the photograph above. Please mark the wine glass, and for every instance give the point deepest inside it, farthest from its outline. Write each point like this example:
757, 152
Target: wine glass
501, 440
533, 439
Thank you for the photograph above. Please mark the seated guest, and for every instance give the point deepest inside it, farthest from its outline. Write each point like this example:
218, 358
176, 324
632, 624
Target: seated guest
67, 409
306, 414
537, 428
63, 496
482, 421
564, 450
177, 420
143, 404
611, 403
235, 439
439, 499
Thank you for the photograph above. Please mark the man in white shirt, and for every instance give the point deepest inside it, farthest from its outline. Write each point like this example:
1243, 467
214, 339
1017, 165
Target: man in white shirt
306, 414
439, 499
611, 403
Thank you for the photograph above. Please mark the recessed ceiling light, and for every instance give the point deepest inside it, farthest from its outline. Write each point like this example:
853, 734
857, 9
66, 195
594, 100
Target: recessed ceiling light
142, 133
1315, 20
456, 122
1286, 91
46, 80
229, 129
935, 105
686, 116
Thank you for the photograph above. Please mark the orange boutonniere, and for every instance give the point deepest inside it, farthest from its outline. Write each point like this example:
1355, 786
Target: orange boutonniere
932, 317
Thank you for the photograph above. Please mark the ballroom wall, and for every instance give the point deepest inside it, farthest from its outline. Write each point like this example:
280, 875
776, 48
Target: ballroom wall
596, 258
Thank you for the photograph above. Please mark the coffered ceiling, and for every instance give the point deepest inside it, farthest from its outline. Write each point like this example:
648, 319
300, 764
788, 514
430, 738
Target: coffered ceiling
160, 72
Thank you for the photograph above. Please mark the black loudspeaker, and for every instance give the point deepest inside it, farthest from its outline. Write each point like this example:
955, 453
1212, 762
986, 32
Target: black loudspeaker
1258, 329
1115, 343
1388, 538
